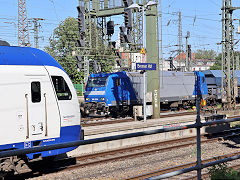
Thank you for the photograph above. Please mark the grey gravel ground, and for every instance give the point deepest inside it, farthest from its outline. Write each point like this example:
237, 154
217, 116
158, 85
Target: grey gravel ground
142, 164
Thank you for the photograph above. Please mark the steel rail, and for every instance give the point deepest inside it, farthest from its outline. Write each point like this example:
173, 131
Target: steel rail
173, 171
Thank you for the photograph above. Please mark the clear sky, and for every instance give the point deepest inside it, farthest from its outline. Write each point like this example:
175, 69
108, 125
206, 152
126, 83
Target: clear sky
200, 17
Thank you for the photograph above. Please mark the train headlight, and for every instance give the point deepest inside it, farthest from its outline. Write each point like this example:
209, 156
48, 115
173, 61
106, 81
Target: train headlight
102, 99
87, 99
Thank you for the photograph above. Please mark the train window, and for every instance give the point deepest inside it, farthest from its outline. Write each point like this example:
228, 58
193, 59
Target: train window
97, 81
61, 88
36, 92
203, 79
118, 83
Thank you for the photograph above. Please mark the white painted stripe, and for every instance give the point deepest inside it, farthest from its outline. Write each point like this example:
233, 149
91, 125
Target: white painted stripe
95, 93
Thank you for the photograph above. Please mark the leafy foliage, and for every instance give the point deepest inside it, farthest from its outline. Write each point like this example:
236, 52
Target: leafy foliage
218, 63
220, 171
62, 44
205, 54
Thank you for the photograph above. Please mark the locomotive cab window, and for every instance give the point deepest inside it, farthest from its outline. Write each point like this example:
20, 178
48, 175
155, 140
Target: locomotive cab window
36, 92
96, 82
61, 88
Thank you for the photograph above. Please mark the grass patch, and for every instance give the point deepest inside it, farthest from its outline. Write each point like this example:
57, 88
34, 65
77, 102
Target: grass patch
221, 171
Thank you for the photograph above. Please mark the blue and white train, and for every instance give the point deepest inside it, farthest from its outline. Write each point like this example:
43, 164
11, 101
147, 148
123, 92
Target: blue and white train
39, 105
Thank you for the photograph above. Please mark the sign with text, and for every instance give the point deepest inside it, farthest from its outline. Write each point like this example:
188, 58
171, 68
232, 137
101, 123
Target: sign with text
145, 66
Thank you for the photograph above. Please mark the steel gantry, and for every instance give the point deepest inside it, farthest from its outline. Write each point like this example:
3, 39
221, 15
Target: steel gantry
36, 26
23, 31
96, 29
229, 86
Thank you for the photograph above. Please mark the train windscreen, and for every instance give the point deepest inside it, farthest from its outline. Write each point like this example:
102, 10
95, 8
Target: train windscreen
97, 81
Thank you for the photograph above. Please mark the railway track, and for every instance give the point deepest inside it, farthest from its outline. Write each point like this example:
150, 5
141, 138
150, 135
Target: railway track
124, 153
186, 176
145, 149
96, 121
66, 164
86, 122
113, 155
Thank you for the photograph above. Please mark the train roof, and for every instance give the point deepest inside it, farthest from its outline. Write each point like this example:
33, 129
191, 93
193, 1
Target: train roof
12, 55
124, 74
120, 74
218, 73
175, 73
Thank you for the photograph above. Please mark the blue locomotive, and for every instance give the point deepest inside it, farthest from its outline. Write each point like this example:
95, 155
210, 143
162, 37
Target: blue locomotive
108, 93
117, 93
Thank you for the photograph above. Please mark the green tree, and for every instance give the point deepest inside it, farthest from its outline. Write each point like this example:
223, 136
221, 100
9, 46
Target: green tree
62, 43
205, 54
218, 63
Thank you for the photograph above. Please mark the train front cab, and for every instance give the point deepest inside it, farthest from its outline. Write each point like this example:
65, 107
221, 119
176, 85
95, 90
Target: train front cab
68, 108
95, 99
39, 106
108, 92
201, 82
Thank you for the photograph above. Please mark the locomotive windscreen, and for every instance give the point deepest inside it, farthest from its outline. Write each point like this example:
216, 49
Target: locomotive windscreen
97, 81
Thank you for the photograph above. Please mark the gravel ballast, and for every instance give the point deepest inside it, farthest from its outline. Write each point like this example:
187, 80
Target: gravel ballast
133, 166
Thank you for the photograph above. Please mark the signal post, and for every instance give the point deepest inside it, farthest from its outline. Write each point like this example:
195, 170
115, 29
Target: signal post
152, 57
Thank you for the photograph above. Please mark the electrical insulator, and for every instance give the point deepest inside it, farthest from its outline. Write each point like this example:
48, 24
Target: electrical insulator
126, 18
127, 2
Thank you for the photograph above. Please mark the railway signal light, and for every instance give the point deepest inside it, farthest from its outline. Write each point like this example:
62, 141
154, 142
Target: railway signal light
110, 28
128, 18
81, 18
189, 52
122, 34
81, 26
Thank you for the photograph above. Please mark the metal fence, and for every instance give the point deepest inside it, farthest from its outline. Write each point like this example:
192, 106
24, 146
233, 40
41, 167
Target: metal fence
197, 125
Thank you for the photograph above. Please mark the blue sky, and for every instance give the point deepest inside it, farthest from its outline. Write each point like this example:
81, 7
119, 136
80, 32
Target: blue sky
200, 17
53, 11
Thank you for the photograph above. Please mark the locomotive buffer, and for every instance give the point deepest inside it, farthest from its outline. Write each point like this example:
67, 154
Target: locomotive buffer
145, 67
